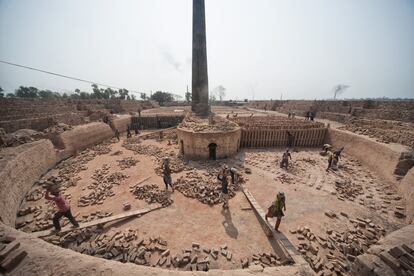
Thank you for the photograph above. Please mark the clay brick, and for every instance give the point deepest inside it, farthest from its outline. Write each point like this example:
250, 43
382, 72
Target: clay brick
229, 256
165, 253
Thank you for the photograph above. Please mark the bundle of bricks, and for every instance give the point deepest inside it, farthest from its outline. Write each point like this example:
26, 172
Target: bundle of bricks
101, 188
127, 162
204, 187
11, 255
336, 250
129, 246
151, 194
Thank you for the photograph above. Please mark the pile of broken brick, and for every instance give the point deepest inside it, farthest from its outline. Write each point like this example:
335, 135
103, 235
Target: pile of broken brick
335, 251
349, 190
149, 150
127, 162
128, 246
151, 194
101, 187
204, 186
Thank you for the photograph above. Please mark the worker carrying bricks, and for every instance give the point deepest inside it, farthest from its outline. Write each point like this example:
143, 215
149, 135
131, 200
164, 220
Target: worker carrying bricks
276, 209
223, 178
63, 209
285, 159
166, 172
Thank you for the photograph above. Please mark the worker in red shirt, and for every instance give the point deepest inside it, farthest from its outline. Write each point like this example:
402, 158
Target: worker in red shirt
63, 209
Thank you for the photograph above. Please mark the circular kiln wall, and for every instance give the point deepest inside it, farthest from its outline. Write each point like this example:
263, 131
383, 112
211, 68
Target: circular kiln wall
195, 145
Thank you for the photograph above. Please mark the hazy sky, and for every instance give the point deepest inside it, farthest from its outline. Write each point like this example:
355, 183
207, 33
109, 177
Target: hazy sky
256, 48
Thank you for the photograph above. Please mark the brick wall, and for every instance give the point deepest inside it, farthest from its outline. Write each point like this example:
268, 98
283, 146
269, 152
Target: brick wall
38, 114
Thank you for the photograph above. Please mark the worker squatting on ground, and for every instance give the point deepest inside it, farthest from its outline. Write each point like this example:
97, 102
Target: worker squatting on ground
223, 177
166, 171
63, 209
276, 209
285, 159
117, 134
333, 158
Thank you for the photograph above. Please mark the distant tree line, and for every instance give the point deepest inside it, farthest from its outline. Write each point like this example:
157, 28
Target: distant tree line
97, 93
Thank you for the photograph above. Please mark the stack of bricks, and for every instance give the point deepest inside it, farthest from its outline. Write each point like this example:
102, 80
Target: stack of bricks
127, 162
129, 246
205, 187
151, 194
335, 251
101, 187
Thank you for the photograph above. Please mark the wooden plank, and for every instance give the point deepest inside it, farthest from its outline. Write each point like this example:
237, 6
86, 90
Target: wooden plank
98, 221
284, 248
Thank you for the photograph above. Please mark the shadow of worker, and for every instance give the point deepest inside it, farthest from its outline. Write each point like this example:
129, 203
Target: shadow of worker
231, 230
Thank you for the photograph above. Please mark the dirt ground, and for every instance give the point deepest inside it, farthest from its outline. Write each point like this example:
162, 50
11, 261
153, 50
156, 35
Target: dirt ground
309, 189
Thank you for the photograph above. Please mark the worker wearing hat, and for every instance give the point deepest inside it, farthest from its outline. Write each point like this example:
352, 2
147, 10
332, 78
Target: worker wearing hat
276, 209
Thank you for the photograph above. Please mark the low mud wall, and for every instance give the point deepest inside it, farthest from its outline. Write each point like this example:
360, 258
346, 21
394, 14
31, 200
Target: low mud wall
406, 186
376, 156
380, 158
84, 136
121, 122
19, 169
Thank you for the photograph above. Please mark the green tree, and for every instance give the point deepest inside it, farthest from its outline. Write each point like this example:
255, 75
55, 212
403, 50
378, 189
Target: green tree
162, 97
1, 92
48, 94
123, 94
144, 96
188, 96
96, 92
27, 92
